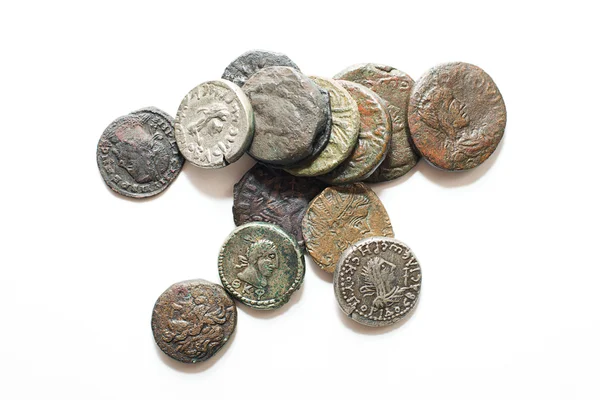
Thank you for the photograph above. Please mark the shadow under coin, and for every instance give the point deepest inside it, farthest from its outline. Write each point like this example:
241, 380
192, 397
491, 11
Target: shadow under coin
368, 330
218, 182
268, 314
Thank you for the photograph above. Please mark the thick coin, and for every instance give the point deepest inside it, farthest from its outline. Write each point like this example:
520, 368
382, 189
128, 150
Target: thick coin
394, 87
290, 111
137, 154
339, 217
214, 124
344, 131
192, 320
373, 138
377, 281
456, 116
269, 195
251, 62
261, 265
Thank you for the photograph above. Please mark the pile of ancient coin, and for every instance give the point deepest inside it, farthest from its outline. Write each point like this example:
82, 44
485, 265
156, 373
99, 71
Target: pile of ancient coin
316, 140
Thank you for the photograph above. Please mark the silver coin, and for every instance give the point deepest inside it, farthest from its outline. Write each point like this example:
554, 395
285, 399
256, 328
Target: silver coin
214, 124
377, 281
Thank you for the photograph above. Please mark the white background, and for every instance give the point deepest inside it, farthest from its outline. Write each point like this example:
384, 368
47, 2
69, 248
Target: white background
509, 251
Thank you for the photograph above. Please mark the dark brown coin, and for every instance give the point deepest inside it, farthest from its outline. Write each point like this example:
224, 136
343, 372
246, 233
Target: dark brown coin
192, 320
252, 61
269, 195
456, 116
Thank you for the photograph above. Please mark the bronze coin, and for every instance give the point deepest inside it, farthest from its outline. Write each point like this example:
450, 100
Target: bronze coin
456, 116
339, 217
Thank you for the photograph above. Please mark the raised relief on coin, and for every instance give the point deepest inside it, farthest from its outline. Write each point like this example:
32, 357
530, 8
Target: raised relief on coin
192, 320
214, 124
377, 281
339, 217
253, 61
137, 154
261, 265
456, 115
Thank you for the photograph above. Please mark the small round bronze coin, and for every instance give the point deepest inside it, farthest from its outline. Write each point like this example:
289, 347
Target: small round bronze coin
251, 62
456, 116
192, 320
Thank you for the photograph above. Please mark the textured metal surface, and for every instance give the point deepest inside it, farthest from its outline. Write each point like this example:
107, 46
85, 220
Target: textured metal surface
251, 62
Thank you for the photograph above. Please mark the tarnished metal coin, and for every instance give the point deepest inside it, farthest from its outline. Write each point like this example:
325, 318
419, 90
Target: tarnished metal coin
192, 320
214, 124
344, 131
251, 62
394, 87
269, 195
290, 111
261, 265
137, 154
456, 116
339, 217
373, 138
377, 281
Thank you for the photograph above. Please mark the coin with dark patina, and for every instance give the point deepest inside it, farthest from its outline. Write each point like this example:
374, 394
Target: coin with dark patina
394, 87
290, 111
251, 62
340, 216
271, 195
192, 320
373, 138
214, 124
377, 281
261, 265
456, 116
137, 154
344, 131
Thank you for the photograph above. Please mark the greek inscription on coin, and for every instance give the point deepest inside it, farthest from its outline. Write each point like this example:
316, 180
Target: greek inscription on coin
340, 216
377, 281
214, 124
192, 320
456, 116
261, 265
137, 154
251, 62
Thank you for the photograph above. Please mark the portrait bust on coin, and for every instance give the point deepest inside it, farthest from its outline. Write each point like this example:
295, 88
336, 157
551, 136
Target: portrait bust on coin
259, 263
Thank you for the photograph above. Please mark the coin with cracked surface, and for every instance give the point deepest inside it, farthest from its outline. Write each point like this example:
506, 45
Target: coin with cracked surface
261, 265
394, 87
253, 61
344, 131
137, 154
456, 116
290, 111
214, 124
377, 281
373, 137
340, 216
192, 320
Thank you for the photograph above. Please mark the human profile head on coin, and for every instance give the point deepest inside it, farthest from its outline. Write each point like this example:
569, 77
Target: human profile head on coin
443, 112
210, 121
259, 264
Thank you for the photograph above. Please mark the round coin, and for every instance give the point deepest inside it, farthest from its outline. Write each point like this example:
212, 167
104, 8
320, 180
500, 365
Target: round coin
261, 265
339, 217
456, 116
192, 320
214, 124
373, 138
394, 87
344, 131
290, 111
377, 281
137, 154
251, 62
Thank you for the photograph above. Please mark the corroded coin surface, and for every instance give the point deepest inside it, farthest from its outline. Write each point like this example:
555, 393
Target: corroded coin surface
290, 111
214, 124
269, 195
261, 265
394, 87
344, 132
339, 217
373, 138
192, 320
137, 154
456, 116
252, 61
377, 281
